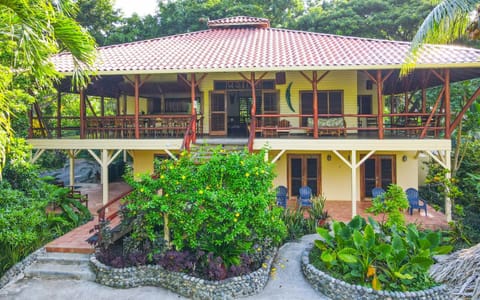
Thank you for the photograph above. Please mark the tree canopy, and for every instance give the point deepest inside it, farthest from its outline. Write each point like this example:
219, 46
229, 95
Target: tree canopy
30, 33
384, 19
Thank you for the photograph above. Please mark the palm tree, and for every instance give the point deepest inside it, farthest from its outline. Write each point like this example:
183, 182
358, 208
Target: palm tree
448, 21
31, 31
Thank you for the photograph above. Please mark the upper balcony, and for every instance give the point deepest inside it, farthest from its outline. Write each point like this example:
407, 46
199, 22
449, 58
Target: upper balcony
284, 126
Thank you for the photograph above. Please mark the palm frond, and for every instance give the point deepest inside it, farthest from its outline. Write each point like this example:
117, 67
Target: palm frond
447, 22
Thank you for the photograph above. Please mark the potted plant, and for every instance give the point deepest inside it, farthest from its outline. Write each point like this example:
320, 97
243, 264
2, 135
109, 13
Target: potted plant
317, 212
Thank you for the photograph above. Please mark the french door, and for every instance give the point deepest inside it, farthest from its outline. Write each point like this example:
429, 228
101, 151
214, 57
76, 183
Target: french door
218, 114
304, 170
377, 171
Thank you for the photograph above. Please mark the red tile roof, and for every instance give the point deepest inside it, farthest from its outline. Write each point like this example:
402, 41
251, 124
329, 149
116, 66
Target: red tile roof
249, 44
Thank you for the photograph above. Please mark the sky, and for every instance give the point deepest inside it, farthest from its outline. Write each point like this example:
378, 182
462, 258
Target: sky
141, 7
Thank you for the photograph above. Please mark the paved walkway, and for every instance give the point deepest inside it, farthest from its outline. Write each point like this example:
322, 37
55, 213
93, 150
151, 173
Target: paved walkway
286, 283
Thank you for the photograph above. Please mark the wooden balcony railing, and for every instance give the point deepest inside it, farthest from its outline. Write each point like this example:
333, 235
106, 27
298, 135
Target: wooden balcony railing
413, 125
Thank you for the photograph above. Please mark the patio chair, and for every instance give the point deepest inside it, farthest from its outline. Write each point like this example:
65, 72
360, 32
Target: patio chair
283, 127
305, 197
282, 192
378, 192
414, 201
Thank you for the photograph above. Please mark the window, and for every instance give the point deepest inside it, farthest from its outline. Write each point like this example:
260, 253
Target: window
329, 102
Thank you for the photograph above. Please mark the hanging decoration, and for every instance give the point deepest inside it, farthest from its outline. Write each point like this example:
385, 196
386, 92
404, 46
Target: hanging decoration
288, 96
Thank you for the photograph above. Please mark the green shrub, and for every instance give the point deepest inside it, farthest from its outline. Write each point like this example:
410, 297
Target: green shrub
379, 257
224, 204
391, 204
25, 223
296, 223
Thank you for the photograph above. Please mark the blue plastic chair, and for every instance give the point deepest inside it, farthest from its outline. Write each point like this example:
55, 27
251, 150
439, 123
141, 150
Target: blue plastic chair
305, 197
282, 193
414, 201
378, 191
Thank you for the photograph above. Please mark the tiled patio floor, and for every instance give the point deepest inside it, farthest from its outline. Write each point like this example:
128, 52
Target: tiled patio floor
75, 240
342, 211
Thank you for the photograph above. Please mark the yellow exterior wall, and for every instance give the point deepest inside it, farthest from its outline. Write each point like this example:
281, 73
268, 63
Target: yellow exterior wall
131, 105
143, 160
407, 171
345, 81
336, 175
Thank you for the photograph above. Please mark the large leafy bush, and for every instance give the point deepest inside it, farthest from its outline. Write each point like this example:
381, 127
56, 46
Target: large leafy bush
224, 204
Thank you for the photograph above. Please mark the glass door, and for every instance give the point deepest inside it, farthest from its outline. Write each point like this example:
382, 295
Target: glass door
304, 170
377, 171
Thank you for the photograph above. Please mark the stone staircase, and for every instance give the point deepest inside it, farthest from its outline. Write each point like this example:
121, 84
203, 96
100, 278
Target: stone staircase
56, 265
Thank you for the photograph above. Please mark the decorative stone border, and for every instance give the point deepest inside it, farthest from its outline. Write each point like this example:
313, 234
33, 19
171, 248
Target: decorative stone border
182, 283
341, 290
20, 267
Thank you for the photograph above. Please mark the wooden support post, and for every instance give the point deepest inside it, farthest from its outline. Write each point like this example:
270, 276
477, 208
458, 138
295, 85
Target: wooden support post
448, 112
104, 165
194, 112
448, 201
379, 82
315, 104
71, 157
354, 182
59, 114
137, 106
82, 113
253, 112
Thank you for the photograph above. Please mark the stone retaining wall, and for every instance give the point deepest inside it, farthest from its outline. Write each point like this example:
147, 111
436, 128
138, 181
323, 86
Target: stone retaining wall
19, 268
341, 290
184, 284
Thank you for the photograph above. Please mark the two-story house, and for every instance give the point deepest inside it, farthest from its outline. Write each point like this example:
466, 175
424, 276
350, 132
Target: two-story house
332, 110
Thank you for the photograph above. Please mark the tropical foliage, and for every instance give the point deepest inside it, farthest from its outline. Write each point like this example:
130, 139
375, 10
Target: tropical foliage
223, 206
30, 32
28, 219
381, 257
391, 204
448, 21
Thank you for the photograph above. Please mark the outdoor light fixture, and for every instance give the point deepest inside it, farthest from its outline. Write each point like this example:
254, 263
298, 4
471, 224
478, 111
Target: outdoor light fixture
404, 158
329, 157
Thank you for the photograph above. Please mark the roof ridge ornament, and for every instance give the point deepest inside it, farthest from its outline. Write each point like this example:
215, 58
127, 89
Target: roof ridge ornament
239, 22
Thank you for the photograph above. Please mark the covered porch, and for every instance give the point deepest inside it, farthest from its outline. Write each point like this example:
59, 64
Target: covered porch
75, 241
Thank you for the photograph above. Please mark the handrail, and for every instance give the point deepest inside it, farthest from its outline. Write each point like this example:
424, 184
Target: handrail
102, 210
188, 136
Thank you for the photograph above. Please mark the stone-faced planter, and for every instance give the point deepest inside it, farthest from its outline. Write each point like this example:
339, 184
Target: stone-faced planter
20, 267
183, 284
340, 290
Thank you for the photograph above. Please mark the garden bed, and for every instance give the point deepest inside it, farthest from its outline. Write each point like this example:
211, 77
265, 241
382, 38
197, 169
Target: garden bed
183, 284
338, 289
